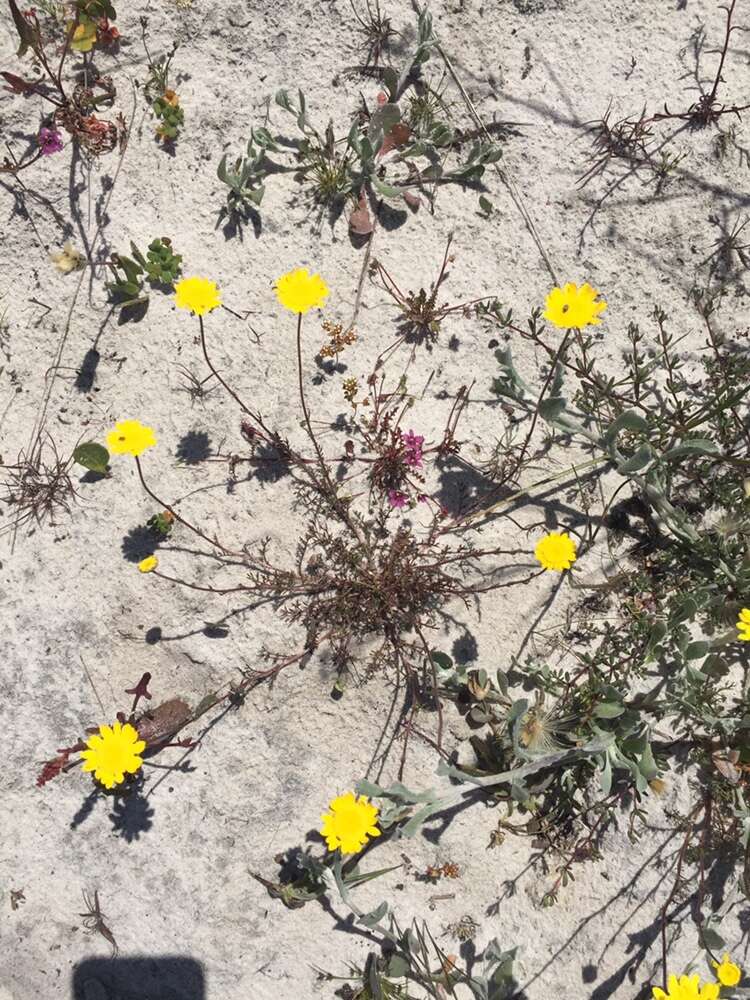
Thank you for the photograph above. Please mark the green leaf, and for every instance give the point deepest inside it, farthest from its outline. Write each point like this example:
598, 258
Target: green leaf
282, 99
92, 456
637, 461
386, 190
595, 746
441, 659
442, 135
697, 650
551, 408
382, 121
686, 610
486, 205
629, 420
693, 446
390, 80
647, 764
264, 139
374, 916
398, 967
609, 710
711, 939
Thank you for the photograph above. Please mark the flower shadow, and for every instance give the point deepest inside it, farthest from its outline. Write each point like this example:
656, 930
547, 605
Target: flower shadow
139, 543
193, 448
131, 814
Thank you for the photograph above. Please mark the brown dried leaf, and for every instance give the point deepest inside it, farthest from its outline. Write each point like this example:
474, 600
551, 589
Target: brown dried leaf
397, 137
360, 221
163, 721
17, 84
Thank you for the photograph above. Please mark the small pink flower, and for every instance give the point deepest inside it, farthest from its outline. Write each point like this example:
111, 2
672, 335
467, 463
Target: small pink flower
397, 499
413, 445
50, 141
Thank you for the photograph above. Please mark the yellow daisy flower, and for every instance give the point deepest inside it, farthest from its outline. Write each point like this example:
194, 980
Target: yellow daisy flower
148, 564
572, 306
68, 259
727, 972
743, 625
556, 551
199, 295
687, 988
113, 752
130, 437
350, 823
84, 36
299, 291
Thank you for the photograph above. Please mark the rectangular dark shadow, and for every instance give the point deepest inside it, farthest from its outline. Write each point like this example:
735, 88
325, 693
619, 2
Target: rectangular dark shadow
144, 977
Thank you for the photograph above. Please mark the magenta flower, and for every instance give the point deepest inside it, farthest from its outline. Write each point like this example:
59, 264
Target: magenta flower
50, 141
397, 499
413, 445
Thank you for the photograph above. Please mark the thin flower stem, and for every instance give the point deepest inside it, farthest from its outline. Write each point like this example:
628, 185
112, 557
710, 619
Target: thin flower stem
66, 47
435, 687
178, 517
330, 487
16, 168
310, 434
663, 914
195, 586
269, 438
550, 376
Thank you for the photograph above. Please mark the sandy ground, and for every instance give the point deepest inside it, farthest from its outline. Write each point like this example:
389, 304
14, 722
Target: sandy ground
81, 624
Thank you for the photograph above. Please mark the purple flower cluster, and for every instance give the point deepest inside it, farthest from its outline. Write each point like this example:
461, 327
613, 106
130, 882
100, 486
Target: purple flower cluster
397, 499
50, 141
413, 447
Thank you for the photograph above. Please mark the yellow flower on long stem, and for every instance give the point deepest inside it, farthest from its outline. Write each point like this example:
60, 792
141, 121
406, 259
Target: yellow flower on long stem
686, 988
148, 565
199, 295
130, 437
299, 291
84, 35
573, 307
743, 625
68, 259
727, 972
556, 551
113, 752
350, 823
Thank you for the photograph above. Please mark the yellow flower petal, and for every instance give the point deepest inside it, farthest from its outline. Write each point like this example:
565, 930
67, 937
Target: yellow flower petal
350, 823
556, 551
299, 291
68, 259
112, 753
130, 437
199, 295
727, 972
148, 564
574, 307
84, 36
686, 988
